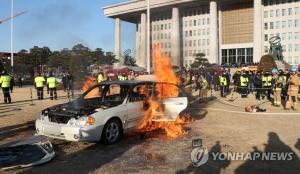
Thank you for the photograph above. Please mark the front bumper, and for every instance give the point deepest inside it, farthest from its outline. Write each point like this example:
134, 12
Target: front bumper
68, 132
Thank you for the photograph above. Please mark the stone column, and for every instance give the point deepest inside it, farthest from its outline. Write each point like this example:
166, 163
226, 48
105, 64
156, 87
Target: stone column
257, 31
175, 38
220, 33
143, 43
137, 44
213, 37
118, 41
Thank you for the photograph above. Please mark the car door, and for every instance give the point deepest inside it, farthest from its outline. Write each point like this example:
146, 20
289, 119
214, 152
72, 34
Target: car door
172, 101
136, 109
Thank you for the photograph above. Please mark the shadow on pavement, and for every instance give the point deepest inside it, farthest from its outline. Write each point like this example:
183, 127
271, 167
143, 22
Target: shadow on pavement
260, 166
10, 131
211, 166
87, 160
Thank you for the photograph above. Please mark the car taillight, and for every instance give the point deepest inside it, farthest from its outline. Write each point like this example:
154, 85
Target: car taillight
90, 120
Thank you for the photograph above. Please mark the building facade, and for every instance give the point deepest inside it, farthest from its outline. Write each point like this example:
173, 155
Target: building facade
226, 31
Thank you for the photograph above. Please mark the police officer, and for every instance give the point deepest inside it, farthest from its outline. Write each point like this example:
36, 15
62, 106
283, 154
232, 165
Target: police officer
100, 77
277, 85
293, 88
267, 84
283, 79
244, 80
203, 85
6, 85
258, 84
51, 86
39, 81
223, 84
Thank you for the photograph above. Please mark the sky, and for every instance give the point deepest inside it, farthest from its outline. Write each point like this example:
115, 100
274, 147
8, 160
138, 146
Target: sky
61, 24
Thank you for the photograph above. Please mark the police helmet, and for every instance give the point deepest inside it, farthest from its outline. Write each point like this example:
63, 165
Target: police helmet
294, 69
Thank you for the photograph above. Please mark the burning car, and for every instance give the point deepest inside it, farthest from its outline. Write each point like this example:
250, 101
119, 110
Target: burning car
108, 110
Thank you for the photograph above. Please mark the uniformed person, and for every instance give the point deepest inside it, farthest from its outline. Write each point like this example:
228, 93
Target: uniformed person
267, 85
293, 88
6, 85
283, 78
223, 84
277, 86
203, 85
244, 81
100, 77
51, 86
39, 81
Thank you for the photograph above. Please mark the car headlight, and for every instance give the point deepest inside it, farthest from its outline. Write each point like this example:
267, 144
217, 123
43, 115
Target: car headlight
82, 121
42, 116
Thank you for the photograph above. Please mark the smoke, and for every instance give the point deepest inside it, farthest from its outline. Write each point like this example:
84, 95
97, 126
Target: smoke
56, 22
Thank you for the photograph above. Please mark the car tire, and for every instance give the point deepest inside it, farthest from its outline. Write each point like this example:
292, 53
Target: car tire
112, 131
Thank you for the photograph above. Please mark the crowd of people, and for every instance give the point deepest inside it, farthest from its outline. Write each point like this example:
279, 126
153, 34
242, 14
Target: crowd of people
281, 87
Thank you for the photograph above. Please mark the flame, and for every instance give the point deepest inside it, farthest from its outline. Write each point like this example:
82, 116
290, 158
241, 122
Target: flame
162, 68
89, 82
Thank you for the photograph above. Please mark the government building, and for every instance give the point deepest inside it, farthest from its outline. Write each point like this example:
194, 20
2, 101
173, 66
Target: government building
226, 31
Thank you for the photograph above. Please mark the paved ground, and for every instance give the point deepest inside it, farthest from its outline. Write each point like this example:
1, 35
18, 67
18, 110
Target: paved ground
222, 124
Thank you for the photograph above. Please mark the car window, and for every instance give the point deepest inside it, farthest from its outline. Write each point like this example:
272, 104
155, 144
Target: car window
141, 92
116, 92
94, 93
164, 90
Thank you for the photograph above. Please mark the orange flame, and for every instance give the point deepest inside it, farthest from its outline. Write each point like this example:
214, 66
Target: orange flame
89, 82
162, 68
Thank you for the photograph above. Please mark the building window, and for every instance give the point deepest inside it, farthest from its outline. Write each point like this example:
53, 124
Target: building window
277, 13
290, 23
203, 32
296, 47
290, 11
190, 52
266, 37
241, 55
199, 42
290, 36
207, 31
266, 49
296, 35
265, 14
249, 55
191, 32
207, 21
199, 21
296, 60
271, 13
296, 23
290, 48
277, 24
207, 42
283, 24
195, 22
190, 23
296, 10
283, 11
203, 21
195, 43
271, 25
282, 36
190, 43
162, 27
199, 32
185, 23
266, 26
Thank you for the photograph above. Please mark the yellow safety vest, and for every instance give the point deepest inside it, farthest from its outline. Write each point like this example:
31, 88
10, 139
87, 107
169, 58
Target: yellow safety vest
244, 81
39, 81
283, 79
5, 81
100, 78
267, 80
223, 81
51, 81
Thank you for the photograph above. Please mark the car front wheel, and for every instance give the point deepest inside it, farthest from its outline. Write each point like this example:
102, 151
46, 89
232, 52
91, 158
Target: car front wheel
112, 132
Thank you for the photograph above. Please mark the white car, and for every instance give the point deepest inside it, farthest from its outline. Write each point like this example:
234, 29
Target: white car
107, 110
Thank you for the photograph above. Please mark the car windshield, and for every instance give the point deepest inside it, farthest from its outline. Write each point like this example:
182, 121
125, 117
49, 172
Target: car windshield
111, 94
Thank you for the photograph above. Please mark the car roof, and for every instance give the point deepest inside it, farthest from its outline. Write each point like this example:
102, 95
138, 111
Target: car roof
126, 82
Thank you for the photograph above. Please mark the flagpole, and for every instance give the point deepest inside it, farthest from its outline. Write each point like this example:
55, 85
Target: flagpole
148, 37
11, 36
